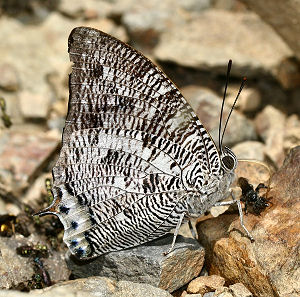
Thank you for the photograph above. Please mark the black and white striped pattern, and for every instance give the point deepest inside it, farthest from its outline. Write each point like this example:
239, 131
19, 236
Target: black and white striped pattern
134, 154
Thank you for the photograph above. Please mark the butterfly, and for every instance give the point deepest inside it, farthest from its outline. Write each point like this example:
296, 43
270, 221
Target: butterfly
135, 160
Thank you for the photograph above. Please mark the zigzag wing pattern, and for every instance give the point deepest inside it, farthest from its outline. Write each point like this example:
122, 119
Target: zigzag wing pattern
129, 135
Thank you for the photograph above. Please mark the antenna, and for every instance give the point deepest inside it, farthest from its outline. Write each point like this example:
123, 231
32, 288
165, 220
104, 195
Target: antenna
223, 101
236, 98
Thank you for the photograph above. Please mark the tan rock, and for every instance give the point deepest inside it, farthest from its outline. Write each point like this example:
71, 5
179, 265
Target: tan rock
249, 99
23, 154
204, 284
223, 292
250, 150
239, 290
8, 77
37, 52
288, 73
269, 266
292, 133
191, 44
270, 125
34, 105
81, 9
283, 16
255, 171
207, 106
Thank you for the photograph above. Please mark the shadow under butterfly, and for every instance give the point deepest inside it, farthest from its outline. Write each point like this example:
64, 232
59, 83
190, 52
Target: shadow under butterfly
135, 161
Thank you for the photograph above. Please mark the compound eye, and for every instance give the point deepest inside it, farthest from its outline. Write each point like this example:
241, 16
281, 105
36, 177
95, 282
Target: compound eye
229, 162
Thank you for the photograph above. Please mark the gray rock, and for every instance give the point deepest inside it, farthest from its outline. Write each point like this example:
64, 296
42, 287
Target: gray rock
147, 264
192, 44
15, 269
146, 20
94, 286
194, 5
207, 107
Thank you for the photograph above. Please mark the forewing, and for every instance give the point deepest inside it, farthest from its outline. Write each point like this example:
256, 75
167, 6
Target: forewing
113, 85
128, 136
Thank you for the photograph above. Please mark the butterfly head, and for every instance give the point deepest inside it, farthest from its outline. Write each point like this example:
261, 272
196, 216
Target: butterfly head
228, 160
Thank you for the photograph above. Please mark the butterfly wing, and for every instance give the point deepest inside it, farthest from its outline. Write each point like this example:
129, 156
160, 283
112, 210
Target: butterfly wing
128, 138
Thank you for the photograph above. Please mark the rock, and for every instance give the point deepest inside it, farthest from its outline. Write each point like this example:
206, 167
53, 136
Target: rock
204, 284
223, 292
94, 286
288, 73
249, 99
2, 207
38, 51
250, 150
227, 5
269, 266
261, 51
28, 10
36, 190
207, 107
185, 230
255, 171
292, 133
31, 42
34, 106
287, 26
15, 269
12, 108
270, 124
239, 290
294, 98
80, 9
147, 264
194, 5
8, 78
146, 20
23, 155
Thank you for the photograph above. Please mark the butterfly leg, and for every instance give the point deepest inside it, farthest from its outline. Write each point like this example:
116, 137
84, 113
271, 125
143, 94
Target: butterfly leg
175, 234
192, 230
239, 205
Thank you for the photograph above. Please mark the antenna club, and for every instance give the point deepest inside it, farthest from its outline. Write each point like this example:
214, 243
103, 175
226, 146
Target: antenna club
229, 65
244, 78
